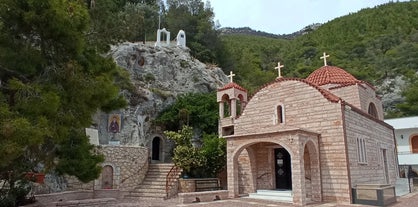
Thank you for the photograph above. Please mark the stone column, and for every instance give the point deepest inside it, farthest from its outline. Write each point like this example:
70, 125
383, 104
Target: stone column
233, 108
298, 175
221, 109
232, 171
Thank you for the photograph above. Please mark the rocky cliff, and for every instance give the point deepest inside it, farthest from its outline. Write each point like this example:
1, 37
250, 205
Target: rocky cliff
159, 74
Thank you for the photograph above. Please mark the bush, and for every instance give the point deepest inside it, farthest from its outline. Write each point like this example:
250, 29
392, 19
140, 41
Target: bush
206, 161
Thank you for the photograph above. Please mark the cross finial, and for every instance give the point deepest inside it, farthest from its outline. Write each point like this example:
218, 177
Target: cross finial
278, 68
230, 76
325, 58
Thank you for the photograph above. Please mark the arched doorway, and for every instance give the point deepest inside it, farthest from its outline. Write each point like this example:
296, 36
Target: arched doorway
312, 171
156, 148
281, 166
414, 144
107, 177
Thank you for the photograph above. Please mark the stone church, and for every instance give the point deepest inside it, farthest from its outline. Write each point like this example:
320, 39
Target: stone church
316, 138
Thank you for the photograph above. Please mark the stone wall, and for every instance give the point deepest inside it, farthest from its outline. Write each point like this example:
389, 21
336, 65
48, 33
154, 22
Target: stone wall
377, 137
244, 173
265, 170
306, 108
129, 164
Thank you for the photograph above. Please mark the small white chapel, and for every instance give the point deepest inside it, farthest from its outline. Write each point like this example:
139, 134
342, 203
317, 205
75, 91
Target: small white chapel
316, 138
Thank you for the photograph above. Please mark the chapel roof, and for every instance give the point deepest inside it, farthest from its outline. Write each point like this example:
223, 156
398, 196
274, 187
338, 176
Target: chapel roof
328, 95
232, 85
331, 75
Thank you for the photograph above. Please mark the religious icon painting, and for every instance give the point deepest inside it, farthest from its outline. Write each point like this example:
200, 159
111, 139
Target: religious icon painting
114, 123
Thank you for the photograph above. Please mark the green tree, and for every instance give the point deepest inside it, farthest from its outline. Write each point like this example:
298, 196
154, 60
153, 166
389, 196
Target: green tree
196, 19
185, 155
410, 105
51, 83
200, 110
125, 20
206, 161
214, 150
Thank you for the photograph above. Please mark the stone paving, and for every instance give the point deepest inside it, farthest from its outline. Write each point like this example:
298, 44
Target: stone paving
409, 200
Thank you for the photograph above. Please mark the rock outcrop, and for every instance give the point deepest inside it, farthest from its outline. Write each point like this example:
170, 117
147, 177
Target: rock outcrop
159, 75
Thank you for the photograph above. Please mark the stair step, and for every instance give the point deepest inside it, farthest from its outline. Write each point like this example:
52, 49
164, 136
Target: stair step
276, 195
275, 192
149, 190
151, 187
146, 194
153, 182
154, 178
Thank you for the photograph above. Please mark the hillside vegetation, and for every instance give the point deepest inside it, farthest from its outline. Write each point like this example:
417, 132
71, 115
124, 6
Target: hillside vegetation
375, 45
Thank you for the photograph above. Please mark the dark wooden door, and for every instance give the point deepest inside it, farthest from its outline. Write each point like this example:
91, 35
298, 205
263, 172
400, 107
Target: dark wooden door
283, 169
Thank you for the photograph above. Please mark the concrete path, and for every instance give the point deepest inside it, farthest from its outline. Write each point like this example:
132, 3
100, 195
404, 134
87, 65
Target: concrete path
409, 200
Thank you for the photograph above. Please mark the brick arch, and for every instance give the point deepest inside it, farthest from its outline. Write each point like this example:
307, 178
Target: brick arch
253, 177
252, 142
264, 145
162, 148
313, 181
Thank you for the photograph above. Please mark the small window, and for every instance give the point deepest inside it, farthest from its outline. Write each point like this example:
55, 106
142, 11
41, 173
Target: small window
279, 115
361, 150
372, 110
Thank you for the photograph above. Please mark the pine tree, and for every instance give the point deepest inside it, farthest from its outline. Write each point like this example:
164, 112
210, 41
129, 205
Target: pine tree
51, 83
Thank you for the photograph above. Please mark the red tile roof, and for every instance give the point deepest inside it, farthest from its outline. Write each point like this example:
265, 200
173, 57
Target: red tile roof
331, 75
232, 85
328, 95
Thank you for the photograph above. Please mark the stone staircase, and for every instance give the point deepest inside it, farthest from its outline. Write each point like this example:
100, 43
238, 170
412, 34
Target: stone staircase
154, 183
285, 196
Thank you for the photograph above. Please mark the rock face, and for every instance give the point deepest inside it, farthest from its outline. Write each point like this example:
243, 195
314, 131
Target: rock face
159, 75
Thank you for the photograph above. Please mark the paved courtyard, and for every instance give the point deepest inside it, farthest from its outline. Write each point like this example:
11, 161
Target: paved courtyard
410, 200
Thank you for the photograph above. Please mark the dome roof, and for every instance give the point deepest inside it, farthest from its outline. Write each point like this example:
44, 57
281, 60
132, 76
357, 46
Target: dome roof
331, 74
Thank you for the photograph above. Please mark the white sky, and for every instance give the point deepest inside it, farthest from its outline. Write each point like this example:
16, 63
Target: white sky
284, 16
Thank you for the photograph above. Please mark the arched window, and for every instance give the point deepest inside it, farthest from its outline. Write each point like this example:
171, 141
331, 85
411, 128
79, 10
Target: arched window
279, 115
227, 105
414, 144
372, 110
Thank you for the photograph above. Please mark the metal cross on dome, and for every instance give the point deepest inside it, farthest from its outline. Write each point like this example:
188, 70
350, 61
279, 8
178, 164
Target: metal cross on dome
325, 58
278, 68
230, 76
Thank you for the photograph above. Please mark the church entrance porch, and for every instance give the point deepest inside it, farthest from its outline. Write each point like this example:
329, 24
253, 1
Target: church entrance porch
276, 163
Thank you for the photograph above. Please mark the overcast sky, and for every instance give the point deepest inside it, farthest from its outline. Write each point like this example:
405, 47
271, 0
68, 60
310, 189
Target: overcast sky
284, 16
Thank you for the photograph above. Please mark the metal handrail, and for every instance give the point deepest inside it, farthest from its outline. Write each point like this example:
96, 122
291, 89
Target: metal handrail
171, 176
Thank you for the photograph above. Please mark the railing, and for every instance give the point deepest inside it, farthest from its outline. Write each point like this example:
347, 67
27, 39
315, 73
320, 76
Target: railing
170, 178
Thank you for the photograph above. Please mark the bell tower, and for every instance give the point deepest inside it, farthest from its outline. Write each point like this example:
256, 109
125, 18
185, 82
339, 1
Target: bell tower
232, 99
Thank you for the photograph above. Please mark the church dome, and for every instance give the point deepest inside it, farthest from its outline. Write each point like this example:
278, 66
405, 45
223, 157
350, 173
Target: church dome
331, 75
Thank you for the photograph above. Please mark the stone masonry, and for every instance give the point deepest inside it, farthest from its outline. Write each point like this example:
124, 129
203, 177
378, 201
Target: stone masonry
330, 124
